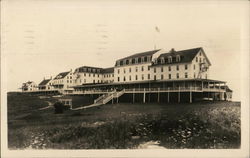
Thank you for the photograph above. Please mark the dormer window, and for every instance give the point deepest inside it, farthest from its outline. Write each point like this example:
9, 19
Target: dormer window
130, 61
178, 58
162, 60
136, 60
118, 63
124, 62
139, 60
155, 61
170, 59
145, 59
127, 62
149, 58
133, 61
142, 59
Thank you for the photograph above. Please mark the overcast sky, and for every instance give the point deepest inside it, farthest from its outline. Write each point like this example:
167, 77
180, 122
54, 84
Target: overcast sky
42, 38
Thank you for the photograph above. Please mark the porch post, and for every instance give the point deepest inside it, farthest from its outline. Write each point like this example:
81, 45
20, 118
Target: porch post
144, 96
168, 94
133, 95
113, 98
158, 99
190, 96
179, 97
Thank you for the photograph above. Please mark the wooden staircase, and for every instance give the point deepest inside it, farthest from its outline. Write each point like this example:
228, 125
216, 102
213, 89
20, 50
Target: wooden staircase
104, 99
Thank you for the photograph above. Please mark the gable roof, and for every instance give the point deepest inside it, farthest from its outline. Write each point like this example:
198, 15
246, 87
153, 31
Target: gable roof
62, 75
44, 82
186, 55
147, 53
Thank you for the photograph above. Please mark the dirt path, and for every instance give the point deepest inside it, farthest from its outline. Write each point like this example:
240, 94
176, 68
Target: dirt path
50, 106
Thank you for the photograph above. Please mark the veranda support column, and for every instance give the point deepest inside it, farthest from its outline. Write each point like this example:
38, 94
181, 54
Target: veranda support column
158, 99
168, 94
144, 96
179, 97
133, 95
190, 96
113, 98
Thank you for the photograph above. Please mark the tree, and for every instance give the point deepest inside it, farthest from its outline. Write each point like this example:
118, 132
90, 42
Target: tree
59, 107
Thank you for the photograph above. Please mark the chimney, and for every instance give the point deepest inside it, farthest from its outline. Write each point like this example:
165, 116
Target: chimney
172, 50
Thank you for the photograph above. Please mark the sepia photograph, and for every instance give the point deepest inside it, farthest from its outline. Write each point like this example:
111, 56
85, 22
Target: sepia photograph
113, 78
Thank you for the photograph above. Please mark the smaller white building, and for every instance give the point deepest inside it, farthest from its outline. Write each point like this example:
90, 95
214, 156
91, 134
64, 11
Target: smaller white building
46, 84
29, 86
63, 82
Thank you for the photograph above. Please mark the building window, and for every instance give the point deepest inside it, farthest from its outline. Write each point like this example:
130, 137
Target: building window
133, 61
162, 77
142, 68
177, 67
186, 67
154, 77
162, 60
139, 60
127, 62
169, 68
194, 67
177, 75
161, 69
124, 78
93, 75
142, 59
178, 58
89, 74
136, 60
129, 78
93, 81
118, 71
196, 59
149, 76
194, 75
98, 75
124, 70
186, 75
118, 79
130, 69
149, 58
142, 77
136, 69
136, 78
154, 70
145, 59
169, 59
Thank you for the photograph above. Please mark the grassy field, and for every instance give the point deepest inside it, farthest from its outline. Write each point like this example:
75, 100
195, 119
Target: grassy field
122, 126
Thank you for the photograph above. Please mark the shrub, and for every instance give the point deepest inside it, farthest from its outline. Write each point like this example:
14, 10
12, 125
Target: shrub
59, 107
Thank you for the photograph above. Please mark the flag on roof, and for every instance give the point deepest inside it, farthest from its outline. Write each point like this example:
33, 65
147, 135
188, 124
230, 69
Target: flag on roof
157, 29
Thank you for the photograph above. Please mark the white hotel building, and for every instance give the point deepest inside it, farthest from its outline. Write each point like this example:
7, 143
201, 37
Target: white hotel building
184, 72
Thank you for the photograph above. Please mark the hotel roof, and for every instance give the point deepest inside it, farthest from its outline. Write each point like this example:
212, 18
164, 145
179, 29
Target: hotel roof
186, 56
147, 53
44, 82
62, 75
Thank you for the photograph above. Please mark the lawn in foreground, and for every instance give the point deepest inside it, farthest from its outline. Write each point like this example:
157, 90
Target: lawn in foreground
126, 126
